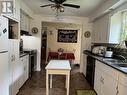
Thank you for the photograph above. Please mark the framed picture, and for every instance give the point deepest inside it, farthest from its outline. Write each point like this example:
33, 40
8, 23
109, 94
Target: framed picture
67, 36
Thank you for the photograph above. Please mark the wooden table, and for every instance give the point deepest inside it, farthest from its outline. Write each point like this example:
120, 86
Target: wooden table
57, 67
64, 55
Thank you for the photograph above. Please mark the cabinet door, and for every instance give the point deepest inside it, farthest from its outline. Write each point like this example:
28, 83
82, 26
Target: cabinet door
106, 79
17, 9
14, 65
101, 30
24, 22
97, 81
122, 86
122, 90
16, 49
21, 72
4, 74
109, 85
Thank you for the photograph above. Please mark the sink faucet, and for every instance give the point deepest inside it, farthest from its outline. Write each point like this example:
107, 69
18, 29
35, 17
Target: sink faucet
122, 57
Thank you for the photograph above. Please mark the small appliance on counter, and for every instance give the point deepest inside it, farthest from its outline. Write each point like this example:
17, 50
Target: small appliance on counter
99, 50
108, 53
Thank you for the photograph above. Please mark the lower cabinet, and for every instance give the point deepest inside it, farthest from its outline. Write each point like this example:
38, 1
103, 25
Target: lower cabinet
24, 70
106, 80
122, 85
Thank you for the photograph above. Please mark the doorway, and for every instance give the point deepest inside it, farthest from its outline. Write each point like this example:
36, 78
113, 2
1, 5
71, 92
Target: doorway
43, 47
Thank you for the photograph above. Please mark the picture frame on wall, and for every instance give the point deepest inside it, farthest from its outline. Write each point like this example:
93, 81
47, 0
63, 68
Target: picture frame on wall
67, 36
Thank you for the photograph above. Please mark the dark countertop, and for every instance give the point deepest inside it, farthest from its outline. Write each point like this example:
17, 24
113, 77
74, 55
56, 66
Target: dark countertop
102, 59
23, 54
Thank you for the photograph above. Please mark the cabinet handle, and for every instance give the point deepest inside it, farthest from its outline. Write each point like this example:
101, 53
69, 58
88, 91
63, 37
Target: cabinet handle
102, 80
0, 34
24, 69
12, 58
117, 90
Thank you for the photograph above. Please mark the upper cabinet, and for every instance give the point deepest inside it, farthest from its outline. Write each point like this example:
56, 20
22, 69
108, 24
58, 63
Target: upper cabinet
101, 30
15, 12
17, 9
108, 29
24, 23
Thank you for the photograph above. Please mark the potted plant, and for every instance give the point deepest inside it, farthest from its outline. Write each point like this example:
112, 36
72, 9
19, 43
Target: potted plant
124, 38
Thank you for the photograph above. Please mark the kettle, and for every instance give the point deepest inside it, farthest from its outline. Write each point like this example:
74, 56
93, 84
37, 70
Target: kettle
108, 54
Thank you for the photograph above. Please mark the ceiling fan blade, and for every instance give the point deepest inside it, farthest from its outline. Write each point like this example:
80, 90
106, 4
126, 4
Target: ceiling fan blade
58, 1
52, 1
46, 5
71, 5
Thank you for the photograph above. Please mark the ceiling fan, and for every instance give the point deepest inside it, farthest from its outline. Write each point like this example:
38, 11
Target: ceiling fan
58, 5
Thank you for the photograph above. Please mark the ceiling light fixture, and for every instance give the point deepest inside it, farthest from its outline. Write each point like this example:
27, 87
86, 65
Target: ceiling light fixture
58, 8
58, 5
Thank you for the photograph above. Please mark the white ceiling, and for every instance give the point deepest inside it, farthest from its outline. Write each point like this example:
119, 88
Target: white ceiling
86, 7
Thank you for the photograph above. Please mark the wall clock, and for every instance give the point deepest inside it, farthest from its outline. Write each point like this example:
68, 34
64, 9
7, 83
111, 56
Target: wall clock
87, 34
34, 30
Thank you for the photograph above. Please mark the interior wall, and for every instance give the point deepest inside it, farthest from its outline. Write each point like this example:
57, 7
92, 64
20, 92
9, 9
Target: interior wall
37, 22
52, 43
104, 8
26, 9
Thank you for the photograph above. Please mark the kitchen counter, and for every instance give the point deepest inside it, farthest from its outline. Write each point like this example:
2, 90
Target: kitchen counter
23, 54
103, 60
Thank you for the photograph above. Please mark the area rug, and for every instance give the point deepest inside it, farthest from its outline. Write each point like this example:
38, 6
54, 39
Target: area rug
86, 92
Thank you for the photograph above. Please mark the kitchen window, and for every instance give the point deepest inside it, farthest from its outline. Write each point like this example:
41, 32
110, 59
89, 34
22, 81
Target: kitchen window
124, 25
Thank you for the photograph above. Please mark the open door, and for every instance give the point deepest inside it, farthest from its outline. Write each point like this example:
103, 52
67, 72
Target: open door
43, 47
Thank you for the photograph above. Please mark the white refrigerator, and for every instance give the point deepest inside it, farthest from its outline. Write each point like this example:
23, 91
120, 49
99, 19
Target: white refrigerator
4, 64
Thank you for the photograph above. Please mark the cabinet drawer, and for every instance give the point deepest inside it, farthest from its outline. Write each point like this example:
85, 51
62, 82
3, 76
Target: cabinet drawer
107, 69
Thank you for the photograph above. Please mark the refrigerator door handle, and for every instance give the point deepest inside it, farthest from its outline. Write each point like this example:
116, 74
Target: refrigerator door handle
3, 51
0, 34
12, 58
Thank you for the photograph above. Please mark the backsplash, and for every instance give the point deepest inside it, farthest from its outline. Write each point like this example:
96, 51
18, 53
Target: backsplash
116, 51
120, 51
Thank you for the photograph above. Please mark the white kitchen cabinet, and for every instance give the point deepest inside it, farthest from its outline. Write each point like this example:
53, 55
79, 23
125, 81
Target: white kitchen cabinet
106, 79
14, 66
24, 21
97, 81
101, 30
109, 85
107, 29
16, 10
24, 69
122, 85
21, 72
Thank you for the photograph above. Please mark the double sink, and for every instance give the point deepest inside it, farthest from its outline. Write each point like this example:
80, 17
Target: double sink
116, 63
